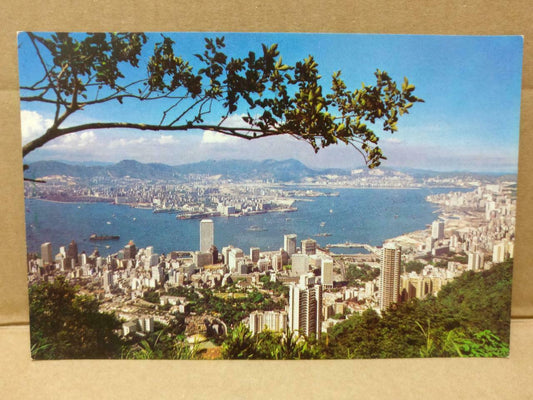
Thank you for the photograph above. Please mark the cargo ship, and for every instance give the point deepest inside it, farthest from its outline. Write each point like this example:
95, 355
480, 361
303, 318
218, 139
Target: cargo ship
197, 215
94, 236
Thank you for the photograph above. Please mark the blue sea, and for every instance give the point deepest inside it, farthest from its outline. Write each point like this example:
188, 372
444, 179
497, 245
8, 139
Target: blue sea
356, 215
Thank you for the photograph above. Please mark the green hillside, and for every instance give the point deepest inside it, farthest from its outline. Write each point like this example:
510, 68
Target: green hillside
470, 317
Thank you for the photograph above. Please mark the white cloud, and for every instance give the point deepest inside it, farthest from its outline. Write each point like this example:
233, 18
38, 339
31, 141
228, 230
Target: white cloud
74, 141
33, 125
167, 140
210, 137
393, 140
233, 121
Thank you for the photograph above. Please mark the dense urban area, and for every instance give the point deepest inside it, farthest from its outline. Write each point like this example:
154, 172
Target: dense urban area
302, 300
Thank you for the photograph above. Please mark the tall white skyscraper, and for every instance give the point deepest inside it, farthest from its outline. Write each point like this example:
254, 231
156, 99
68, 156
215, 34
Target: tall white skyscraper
437, 229
476, 260
108, 280
500, 252
46, 253
207, 235
289, 243
389, 278
235, 255
305, 309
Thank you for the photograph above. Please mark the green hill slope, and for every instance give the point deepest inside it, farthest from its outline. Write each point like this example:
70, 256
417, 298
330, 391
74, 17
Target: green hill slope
470, 317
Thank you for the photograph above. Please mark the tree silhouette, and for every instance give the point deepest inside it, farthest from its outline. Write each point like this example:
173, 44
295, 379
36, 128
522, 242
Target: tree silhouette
81, 71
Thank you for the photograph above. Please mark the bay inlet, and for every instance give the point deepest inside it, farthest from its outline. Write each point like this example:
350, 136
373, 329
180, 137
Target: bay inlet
356, 215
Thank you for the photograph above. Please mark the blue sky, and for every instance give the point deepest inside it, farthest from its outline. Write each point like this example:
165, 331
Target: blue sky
469, 121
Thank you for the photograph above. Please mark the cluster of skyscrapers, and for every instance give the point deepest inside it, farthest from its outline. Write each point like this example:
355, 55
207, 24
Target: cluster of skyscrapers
307, 270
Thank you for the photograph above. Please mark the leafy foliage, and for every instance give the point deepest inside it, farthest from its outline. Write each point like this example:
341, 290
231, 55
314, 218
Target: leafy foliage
233, 309
266, 345
84, 70
162, 346
481, 300
482, 344
151, 296
66, 325
355, 274
469, 318
278, 288
414, 266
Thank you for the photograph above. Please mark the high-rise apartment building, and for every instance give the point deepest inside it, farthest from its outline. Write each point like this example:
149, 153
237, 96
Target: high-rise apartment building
289, 243
437, 229
225, 254
389, 278
254, 254
158, 273
72, 251
201, 259
305, 309
326, 272
214, 254
130, 250
207, 235
275, 321
108, 280
149, 251
309, 246
300, 264
499, 252
235, 255
476, 260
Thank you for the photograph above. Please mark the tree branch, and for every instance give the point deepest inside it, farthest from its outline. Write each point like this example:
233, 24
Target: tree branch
54, 132
60, 100
80, 69
34, 180
37, 98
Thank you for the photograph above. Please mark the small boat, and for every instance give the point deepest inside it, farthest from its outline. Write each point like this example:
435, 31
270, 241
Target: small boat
108, 223
255, 228
322, 223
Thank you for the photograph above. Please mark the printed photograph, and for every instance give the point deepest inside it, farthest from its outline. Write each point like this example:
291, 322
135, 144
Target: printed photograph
269, 196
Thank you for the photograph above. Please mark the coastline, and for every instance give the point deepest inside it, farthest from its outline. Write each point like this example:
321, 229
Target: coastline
68, 202
409, 238
456, 220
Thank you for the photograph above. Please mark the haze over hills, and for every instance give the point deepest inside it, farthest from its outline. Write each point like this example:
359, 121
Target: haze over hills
283, 171
286, 170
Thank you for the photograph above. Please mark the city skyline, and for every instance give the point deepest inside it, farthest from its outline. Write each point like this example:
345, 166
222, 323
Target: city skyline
270, 260
470, 119
305, 296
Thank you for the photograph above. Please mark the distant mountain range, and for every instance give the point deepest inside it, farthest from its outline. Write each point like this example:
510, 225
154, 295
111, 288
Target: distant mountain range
282, 171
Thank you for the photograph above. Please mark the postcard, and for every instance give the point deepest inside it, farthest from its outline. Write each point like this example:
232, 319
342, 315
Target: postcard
269, 195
